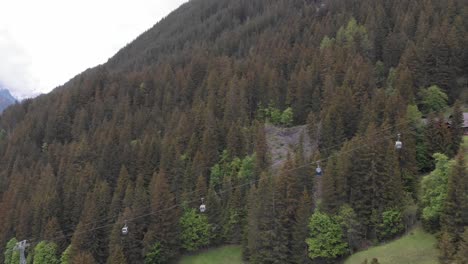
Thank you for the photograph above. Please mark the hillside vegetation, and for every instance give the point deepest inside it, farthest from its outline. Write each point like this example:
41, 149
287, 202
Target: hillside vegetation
417, 247
182, 112
224, 255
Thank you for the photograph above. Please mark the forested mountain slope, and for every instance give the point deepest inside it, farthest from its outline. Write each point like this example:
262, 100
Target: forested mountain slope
178, 115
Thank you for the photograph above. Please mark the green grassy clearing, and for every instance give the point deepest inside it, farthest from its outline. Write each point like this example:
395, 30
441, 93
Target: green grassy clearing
416, 248
224, 255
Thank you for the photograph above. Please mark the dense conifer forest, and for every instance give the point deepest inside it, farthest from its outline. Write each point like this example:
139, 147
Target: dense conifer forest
179, 115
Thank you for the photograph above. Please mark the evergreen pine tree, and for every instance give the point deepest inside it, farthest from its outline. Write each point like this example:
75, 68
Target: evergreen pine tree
300, 230
454, 216
330, 200
332, 132
115, 244
447, 247
95, 208
201, 189
234, 139
312, 127
361, 184
83, 258
214, 214
389, 191
262, 246
163, 227
119, 193
233, 218
302, 169
457, 127
116, 256
53, 232
261, 150
462, 254
286, 200
250, 241
140, 203
408, 155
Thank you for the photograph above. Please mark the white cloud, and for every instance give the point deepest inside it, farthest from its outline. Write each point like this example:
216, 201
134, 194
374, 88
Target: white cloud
15, 66
45, 43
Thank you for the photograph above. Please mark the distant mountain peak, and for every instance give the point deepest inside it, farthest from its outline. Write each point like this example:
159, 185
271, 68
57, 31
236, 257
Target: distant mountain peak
6, 99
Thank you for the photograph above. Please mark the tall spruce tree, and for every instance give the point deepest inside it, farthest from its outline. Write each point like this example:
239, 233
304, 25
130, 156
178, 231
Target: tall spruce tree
286, 200
262, 246
262, 160
163, 225
95, 208
456, 126
116, 247
360, 184
299, 252
330, 200
119, 193
462, 254
214, 213
250, 242
454, 217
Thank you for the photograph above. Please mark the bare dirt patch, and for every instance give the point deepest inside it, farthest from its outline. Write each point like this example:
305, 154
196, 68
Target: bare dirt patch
282, 141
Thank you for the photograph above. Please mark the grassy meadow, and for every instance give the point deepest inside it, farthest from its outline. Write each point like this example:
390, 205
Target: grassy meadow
225, 255
417, 247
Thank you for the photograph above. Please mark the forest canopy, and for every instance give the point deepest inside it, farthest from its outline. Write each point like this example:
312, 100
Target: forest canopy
179, 114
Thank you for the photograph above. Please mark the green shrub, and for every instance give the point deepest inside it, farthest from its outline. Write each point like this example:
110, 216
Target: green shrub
326, 238
391, 225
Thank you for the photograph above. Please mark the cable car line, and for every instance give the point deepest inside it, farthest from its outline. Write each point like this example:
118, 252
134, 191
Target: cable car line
318, 170
70, 234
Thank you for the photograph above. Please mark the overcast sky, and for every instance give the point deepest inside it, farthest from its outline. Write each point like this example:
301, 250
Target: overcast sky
45, 43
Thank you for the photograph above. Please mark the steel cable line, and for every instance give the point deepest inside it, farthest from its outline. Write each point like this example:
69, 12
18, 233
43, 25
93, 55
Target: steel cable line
378, 132
70, 234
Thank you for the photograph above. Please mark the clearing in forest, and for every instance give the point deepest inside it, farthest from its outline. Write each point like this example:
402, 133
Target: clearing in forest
417, 247
284, 140
225, 255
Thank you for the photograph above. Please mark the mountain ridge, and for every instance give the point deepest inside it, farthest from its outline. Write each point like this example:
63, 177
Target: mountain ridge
6, 99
